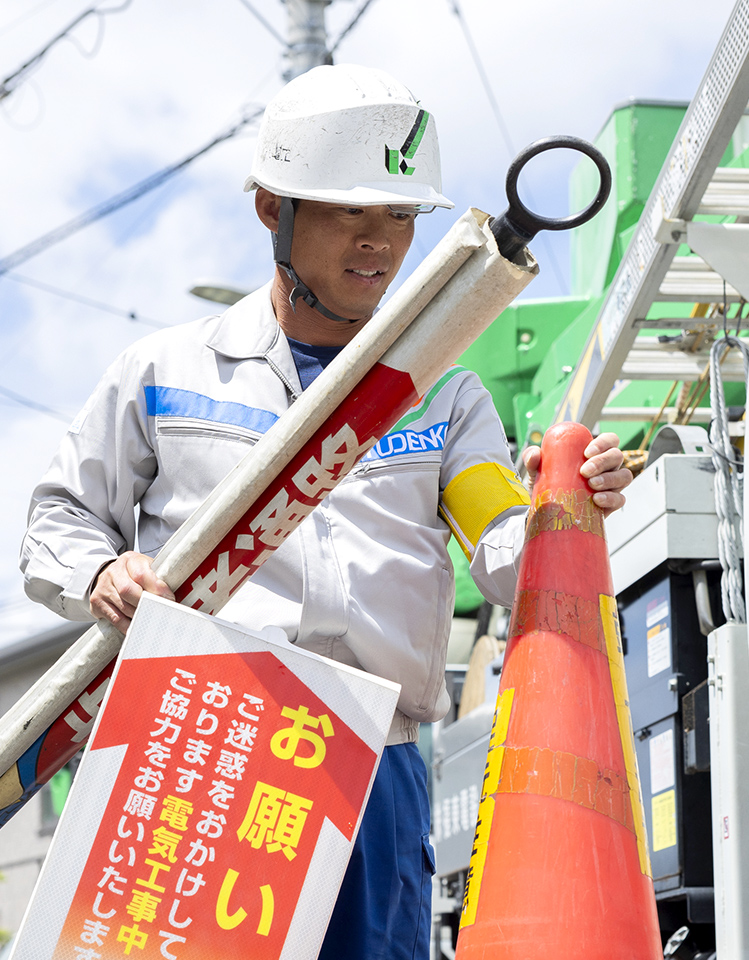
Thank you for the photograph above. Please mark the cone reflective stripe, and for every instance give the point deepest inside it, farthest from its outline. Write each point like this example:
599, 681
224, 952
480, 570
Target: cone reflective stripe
459, 290
560, 864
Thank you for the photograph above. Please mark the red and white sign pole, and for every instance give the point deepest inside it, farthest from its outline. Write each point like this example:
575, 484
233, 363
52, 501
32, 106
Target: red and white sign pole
458, 291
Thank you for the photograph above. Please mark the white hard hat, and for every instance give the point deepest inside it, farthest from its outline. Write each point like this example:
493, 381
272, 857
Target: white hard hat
348, 134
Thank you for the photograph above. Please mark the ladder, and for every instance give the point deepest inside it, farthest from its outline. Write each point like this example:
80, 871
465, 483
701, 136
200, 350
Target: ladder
690, 183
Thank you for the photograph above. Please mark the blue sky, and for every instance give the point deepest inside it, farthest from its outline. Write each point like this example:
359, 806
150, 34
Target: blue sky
168, 76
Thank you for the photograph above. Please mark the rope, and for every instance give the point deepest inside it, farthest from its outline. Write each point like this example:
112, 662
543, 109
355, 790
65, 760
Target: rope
728, 484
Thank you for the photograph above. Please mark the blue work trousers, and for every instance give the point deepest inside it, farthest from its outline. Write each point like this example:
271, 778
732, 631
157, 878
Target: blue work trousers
383, 910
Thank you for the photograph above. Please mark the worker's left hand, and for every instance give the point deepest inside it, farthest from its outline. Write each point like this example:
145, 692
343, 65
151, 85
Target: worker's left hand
602, 469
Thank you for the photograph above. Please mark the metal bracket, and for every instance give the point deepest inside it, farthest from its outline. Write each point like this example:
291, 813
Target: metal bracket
671, 231
723, 246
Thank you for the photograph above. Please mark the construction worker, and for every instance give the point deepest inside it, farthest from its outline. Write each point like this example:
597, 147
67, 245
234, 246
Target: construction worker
346, 160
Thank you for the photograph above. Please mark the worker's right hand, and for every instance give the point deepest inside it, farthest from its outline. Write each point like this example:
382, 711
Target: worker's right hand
120, 585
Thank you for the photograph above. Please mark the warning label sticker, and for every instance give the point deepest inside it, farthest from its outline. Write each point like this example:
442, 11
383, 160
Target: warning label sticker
664, 820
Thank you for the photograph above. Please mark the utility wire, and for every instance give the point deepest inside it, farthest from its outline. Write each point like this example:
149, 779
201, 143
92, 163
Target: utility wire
484, 78
282, 40
33, 404
9, 83
87, 301
272, 30
66, 230
501, 123
99, 40
31, 124
25, 16
350, 27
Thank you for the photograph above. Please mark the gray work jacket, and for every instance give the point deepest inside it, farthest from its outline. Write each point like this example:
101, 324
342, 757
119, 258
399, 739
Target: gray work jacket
365, 580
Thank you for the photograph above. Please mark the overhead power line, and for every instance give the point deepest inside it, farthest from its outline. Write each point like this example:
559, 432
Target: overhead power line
9, 83
120, 200
87, 301
25, 16
500, 122
33, 404
484, 78
352, 24
271, 30
285, 43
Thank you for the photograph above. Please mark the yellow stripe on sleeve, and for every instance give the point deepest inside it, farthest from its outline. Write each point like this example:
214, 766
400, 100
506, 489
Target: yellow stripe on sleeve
478, 495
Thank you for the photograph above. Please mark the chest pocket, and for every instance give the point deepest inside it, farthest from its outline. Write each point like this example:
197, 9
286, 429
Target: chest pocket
186, 412
190, 427
405, 448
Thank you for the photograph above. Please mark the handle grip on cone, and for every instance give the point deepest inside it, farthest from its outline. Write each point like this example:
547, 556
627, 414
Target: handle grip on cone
562, 455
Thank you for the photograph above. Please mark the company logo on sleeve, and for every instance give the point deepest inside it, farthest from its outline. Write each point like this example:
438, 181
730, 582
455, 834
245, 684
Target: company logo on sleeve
409, 441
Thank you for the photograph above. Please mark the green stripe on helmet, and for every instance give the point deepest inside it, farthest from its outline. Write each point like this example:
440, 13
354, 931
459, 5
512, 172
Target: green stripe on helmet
413, 140
409, 148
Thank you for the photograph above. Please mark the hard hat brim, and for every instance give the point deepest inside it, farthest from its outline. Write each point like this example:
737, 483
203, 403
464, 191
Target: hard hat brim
363, 194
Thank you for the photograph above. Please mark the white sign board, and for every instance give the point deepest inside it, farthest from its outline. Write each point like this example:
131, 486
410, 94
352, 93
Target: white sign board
215, 809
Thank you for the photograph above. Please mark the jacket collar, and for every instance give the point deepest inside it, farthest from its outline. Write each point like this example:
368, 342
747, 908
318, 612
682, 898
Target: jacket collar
249, 330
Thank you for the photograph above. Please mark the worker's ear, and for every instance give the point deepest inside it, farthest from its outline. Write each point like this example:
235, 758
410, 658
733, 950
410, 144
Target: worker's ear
267, 205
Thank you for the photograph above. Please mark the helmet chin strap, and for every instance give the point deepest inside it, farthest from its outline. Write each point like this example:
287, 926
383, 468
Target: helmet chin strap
282, 256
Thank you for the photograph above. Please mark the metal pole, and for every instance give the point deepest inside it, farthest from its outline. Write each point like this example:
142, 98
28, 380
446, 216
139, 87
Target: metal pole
728, 670
308, 41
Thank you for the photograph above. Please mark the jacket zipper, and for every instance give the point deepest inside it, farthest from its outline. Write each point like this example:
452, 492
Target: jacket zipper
370, 465
282, 378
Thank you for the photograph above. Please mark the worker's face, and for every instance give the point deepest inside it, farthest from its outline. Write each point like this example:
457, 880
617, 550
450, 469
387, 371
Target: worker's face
348, 256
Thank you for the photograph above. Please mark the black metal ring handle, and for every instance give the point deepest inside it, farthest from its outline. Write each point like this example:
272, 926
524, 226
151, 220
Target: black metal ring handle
514, 228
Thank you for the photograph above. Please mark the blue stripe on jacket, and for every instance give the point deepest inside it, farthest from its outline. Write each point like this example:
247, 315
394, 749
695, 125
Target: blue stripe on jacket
173, 402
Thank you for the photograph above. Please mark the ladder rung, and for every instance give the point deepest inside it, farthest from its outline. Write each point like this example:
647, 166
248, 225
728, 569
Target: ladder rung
677, 323
649, 359
630, 414
700, 415
727, 194
691, 280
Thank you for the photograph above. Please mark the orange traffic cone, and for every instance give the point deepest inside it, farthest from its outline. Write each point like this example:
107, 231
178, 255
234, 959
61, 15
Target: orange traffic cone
560, 864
